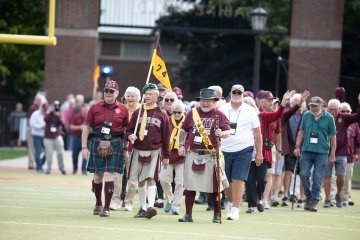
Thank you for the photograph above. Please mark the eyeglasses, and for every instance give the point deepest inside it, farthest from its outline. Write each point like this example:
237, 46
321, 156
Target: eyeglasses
169, 99
175, 112
109, 91
236, 92
345, 111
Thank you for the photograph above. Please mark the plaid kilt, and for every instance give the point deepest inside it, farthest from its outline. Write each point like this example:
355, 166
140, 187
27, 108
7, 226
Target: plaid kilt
112, 164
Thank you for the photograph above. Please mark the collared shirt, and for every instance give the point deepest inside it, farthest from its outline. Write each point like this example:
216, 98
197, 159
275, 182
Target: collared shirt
246, 119
324, 127
116, 113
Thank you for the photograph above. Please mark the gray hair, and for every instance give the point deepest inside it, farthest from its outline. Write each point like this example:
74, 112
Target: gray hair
345, 105
177, 105
335, 102
295, 99
169, 94
133, 90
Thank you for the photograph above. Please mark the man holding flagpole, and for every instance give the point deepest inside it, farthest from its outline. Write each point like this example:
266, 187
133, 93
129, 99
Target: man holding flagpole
151, 145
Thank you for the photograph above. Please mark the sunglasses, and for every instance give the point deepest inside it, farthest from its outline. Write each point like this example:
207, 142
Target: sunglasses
236, 92
345, 111
171, 100
109, 91
175, 112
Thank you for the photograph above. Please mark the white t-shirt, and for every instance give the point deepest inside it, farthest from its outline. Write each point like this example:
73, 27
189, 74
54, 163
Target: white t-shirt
242, 122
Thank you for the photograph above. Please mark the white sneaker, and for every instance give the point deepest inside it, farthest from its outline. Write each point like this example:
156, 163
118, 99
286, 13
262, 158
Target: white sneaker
228, 209
234, 214
128, 207
115, 206
266, 206
175, 210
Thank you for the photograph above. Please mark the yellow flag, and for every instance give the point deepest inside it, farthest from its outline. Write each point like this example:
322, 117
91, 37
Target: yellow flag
96, 76
159, 68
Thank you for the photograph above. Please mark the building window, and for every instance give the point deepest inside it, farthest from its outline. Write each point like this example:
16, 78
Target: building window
136, 49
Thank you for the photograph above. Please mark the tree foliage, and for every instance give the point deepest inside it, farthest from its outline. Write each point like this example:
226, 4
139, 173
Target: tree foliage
226, 58
21, 66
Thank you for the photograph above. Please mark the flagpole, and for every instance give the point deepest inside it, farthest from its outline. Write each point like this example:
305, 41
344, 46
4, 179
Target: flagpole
143, 97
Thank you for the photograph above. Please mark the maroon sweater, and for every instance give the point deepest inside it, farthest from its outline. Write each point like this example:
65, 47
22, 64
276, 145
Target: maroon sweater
158, 131
354, 141
52, 126
342, 122
265, 119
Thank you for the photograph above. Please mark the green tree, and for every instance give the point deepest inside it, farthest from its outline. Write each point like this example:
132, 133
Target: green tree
21, 66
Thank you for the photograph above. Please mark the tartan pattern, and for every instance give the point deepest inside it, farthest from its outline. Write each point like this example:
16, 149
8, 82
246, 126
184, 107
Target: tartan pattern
112, 164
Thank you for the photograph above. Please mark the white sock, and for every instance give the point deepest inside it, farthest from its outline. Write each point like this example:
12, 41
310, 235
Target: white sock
142, 197
151, 194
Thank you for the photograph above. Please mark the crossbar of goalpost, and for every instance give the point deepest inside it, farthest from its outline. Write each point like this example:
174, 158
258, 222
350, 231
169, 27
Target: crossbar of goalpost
33, 39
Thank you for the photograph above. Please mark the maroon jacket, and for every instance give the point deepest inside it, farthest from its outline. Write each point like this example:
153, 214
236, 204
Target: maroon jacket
342, 122
353, 141
287, 142
265, 119
158, 131
53, 126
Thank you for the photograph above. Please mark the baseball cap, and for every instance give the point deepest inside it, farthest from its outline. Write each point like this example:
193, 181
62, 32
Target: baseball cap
265, 95
111, 85
316, 101
149, 86
237, 87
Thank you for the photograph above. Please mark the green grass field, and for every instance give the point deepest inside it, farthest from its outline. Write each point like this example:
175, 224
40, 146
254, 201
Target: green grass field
11, 154
37, 206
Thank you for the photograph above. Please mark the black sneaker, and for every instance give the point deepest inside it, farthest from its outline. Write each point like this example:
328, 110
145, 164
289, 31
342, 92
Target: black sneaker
151, 212
307, 205
260, 207
312, 206
338, 200
186, 218
216, 218
97, 210
159, 204
250, 210
351, 203
141, 213
285, 201
209, 208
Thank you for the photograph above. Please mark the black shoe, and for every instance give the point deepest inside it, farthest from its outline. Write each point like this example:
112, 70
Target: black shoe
141, 213
151, 212
260, 207
250, 210
312, 206
186, 218
200, 200
97, 210
105, 213
209, 208
351, 203
216, 218
63, 172
159, 204
285, 201
307, 205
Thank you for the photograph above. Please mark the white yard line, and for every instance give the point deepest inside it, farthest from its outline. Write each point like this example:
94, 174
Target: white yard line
169, 233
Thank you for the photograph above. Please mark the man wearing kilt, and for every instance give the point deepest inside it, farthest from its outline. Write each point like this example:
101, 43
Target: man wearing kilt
199, 167
151, 143
108, 119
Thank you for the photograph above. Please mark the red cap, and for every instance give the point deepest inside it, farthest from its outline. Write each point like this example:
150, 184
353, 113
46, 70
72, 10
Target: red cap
111, 85
265, 95
248, 94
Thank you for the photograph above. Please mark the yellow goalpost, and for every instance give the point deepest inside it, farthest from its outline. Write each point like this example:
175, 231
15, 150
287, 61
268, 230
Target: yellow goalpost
33, 39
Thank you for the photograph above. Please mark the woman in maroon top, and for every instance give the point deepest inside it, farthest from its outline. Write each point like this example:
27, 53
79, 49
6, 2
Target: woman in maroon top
108, 119
256, 182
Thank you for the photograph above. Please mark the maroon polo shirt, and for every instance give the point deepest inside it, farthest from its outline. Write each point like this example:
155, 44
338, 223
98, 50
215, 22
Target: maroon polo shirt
208, 121
116, 113
77, 120
158, 131
52, 126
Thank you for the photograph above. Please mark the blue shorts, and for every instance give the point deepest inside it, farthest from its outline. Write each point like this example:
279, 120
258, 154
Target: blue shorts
340, 166
237, 164
279, 164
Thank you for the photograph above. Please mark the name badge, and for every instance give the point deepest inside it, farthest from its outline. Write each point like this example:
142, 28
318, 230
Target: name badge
145, 132
105, 130
314, 137
233, 128
53, 129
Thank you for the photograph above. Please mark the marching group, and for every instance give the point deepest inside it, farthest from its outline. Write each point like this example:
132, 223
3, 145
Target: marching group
246, 146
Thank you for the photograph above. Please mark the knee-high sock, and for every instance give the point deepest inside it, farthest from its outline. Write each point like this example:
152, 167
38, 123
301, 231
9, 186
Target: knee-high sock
151, 194
189, 201
142, 197
97, 189
108, 192
215, 202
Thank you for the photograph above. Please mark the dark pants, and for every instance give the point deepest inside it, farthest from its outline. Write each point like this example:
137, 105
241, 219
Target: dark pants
76, 149
255, 184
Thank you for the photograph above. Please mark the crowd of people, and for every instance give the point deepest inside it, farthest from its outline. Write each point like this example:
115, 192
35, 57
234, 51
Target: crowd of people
245, 147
